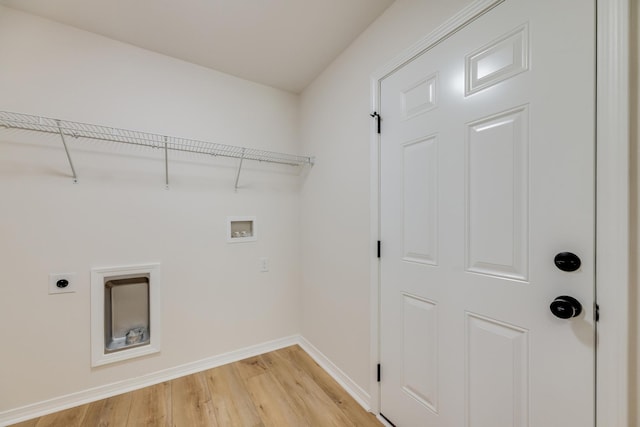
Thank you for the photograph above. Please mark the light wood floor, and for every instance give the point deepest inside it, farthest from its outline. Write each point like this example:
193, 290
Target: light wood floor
282, 388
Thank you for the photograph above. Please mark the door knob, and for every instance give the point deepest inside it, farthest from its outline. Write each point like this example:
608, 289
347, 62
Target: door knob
567, 261
566, 307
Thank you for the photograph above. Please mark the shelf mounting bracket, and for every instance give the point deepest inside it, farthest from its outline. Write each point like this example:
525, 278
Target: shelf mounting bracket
166, 164
66, 150
239, 168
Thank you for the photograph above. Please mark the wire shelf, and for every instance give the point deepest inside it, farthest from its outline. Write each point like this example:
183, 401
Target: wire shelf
66, 128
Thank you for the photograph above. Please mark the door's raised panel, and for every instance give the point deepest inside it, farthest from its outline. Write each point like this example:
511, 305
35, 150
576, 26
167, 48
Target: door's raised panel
420, 350
497, 373
420, 97
497, 195
420, 200
497, 61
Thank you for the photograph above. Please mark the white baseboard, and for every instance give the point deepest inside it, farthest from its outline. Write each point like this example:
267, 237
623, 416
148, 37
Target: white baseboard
56, 404
357, 392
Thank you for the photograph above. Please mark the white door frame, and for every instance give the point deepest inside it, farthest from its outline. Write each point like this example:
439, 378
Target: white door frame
612, 202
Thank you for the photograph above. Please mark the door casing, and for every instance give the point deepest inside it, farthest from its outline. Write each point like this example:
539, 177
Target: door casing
612, 202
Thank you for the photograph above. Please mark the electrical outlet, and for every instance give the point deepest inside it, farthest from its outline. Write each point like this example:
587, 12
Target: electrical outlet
62, 283
264, 265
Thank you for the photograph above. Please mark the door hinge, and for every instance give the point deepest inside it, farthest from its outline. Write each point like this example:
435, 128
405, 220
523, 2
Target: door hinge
376, 116
378, 248
596, 312
378, 372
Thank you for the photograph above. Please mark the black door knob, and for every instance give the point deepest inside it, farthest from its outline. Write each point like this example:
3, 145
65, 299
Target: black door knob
566, 307
567, 261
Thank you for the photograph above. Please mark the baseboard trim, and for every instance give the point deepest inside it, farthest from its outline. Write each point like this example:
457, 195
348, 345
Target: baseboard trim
56, 404
357, 392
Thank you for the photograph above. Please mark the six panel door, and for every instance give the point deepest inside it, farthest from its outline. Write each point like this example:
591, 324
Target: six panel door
487, 172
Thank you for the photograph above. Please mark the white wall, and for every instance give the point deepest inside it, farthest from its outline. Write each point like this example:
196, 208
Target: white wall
214, 298
335, 127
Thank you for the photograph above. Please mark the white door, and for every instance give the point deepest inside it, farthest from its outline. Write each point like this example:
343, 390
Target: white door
487, 173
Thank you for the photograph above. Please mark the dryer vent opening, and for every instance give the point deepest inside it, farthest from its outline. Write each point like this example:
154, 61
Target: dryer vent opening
125, 312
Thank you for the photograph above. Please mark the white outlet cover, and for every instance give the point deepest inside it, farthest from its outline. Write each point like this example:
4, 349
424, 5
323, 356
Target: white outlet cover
53, 283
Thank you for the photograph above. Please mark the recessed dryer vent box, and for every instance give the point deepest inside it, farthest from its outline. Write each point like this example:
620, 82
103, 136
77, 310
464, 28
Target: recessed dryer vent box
241, 229
125, 312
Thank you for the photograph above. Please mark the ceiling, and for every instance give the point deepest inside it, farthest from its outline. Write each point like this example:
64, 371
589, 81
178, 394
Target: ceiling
281, 43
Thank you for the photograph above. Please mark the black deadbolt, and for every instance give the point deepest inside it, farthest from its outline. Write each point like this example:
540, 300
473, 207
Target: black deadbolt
566, 307
62, 283
567, 261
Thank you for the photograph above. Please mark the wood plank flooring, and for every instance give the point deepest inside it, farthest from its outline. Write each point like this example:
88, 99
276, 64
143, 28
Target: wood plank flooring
282, 388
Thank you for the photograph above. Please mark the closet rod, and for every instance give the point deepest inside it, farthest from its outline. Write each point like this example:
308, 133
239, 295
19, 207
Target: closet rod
66, 128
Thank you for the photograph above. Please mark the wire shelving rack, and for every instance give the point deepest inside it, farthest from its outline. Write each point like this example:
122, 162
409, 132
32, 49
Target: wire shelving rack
69, 129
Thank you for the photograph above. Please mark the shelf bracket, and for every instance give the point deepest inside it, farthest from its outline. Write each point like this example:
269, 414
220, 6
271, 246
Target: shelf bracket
66, 150
166, 163
239, 168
